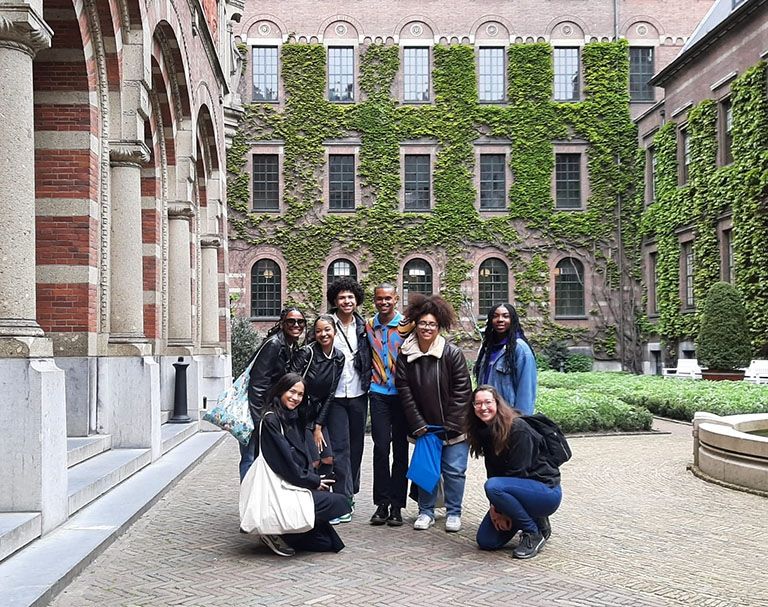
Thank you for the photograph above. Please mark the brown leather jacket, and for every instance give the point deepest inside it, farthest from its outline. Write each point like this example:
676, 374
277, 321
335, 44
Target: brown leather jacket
434, 387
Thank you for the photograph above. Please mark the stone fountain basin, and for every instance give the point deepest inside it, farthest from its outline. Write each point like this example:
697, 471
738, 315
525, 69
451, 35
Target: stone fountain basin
724, 449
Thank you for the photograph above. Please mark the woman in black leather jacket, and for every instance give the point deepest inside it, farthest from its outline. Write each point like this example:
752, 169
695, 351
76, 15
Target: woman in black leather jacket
285, 449
320, 363
270, 362
433, 382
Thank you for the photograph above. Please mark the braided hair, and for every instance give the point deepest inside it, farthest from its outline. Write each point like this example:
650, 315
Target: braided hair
278, 326
491, 338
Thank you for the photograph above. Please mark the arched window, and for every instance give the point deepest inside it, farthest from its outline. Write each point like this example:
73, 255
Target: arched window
492, 284
341, 268
265, 289
569, 288
417, 278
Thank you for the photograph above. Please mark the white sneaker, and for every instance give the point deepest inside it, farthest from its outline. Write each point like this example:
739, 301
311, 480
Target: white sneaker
422, 522
453, 523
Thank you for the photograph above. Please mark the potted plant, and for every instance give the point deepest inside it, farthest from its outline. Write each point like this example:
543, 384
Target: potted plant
723, 346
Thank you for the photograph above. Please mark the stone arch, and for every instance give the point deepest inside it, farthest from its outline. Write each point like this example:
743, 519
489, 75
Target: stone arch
479, 28
625, 28
416, 18
264, 28
245, 27
348, 19
551, 29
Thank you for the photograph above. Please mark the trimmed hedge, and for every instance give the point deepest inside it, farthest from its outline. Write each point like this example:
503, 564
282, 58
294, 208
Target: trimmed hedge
675, 398
591, 411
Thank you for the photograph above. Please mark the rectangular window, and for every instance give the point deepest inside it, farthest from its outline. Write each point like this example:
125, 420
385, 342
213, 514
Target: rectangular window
727, 256
653, 279
685, 164
418, 182
265, 73
640, 72
416, 74
566, 64
266, 182
651, 175
686, 252
493, 182
490, 84
567, 181
341, 73
341, 182
727, 118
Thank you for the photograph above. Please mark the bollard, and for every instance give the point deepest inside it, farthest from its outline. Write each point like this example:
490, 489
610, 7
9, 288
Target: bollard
180, 394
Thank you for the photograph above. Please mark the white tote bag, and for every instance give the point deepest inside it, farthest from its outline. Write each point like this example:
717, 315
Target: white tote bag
271, 506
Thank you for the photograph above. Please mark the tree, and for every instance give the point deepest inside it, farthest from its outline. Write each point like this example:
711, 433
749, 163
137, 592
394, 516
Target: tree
724, 340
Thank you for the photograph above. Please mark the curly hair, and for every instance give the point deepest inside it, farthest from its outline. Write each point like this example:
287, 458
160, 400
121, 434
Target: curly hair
491, 338
420, 305
345, 283
500, 426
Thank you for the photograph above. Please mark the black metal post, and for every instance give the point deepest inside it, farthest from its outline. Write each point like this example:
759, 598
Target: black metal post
180, 394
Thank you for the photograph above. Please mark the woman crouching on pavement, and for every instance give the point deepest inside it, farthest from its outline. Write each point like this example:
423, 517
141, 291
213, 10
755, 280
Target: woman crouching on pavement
284, 445
523, 488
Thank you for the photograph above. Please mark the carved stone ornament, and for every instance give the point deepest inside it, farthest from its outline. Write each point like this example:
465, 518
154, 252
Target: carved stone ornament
265, 29
492, 29
128, 153
567, 30
642, 30
22, 28
180, 210
210, 242
341, 29
417, 30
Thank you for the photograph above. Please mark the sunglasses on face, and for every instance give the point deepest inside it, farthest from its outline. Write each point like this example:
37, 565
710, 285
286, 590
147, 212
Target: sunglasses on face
297, 322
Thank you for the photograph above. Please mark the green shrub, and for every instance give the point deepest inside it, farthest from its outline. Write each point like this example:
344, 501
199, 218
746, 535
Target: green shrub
556, 354
724, 341
542, 362
245, 340
590, 411
578, 363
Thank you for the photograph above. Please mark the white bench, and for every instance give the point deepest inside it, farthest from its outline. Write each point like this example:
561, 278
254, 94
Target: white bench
687, 368
757, 372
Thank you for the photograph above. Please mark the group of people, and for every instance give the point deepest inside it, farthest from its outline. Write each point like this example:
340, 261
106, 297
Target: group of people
416, 382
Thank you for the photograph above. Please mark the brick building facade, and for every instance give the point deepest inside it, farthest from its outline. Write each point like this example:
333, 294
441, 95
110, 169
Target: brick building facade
573, 296
113, 248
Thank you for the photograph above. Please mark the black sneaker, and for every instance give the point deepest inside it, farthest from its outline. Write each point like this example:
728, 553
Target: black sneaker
277, 545
395, 519
530, 544
380, 516
544, 527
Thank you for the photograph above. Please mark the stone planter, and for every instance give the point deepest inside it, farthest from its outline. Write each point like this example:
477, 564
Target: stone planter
714, 375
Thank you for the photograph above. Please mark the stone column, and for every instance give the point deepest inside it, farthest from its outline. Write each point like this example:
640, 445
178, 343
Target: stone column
179, 275
210, 290
126, 258
22, 34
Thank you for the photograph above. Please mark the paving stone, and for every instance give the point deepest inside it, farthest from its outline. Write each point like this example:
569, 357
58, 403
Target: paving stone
635, 529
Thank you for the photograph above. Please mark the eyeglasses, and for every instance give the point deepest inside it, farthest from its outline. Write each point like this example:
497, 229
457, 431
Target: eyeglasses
484, 404
298, 322
427, 325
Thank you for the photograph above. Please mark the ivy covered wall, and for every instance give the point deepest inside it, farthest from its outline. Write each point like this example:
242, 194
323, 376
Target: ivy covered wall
527, 234
739, 188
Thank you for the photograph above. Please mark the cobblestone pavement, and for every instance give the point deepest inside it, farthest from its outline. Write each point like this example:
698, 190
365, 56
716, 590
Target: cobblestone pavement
635, 528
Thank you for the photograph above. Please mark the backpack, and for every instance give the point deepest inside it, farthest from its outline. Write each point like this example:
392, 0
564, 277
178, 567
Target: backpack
556, 449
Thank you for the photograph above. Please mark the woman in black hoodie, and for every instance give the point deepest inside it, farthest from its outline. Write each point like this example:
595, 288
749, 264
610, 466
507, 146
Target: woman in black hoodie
522, 487
284, 446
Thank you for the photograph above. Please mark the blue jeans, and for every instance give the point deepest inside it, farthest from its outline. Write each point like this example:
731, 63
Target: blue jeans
453, 468
346, 428
388, 427
522, 500
248, 453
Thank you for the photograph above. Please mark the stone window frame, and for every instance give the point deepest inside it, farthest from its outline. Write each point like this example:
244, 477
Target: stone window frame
265, 43
579, 48
493, 147
651, 280
724, 143
260, 256
683, 142
351, 148
575, 320
337, 258
685, 239
505, 61
415, 44
725, 248
350, 44
418, 148
652, 88
267, 148
401, 278
476, 280
572, 148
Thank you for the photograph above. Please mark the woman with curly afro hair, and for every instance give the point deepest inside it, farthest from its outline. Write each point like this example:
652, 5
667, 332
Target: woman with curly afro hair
435, 389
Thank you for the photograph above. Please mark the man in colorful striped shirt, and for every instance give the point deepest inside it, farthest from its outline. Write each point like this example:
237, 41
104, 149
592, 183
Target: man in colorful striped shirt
386, 331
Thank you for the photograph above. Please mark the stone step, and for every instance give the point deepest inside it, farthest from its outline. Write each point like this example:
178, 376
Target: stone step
97, 475
17, 529
34, 575
174, 434
81, 448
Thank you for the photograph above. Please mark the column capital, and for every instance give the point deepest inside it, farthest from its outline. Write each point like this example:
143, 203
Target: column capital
128, 153
22, 28
180, 209
210, 242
